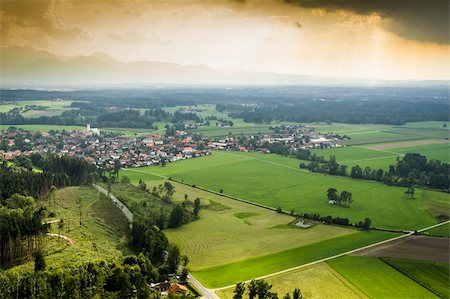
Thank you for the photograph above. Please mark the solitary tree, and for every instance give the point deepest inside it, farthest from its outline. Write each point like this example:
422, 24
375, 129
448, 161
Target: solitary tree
366, 224
346, 198
332, 194
39, 261
197, 207
252, 289
239, 290
297, 294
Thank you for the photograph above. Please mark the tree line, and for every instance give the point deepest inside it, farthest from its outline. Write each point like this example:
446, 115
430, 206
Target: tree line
56, 171
395, 112
262, 289
21, 228
411, 169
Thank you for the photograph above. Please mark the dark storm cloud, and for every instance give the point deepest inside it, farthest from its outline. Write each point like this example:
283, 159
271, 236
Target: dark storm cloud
421, 20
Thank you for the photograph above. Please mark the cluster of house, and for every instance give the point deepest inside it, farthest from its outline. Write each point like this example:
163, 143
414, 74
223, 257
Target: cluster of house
89, 144
153, 149
295, 136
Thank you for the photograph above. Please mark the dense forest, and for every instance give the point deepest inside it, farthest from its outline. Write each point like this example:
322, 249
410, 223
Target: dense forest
122, 279
56, 171
388, 105
21, 193
349, 111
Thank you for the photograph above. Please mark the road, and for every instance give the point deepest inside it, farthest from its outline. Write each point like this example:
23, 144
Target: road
207, 293
118, 203
338, 255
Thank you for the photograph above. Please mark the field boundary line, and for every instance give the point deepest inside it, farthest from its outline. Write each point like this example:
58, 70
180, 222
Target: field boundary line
368, 159
410, 277
143, 172
336, 255
273, 163
378, 150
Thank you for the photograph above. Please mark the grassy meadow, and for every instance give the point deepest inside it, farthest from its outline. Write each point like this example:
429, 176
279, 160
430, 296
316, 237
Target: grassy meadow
440, 231
431, 275
315, 282
277, 182
376, 279
232, 231
225, 275
100, 237
54, 107
44, 128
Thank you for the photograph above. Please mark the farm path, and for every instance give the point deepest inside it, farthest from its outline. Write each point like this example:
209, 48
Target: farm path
207, 294
66, 238
273, 163
118, 203
339, 255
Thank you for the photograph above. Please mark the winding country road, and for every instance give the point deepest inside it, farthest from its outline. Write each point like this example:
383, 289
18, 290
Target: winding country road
208, 294
118, 203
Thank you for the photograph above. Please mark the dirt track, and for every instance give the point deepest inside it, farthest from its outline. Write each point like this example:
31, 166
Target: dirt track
414, 247
386, 146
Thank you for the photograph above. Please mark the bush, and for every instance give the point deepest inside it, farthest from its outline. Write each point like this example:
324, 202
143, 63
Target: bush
39, 262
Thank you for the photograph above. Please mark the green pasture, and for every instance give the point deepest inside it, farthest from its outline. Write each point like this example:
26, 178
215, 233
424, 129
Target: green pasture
278, 182
220, 276
54, 107
440, 231
316, 282
352, 156
231, 231
342, 128
379, 137
432, 275
44, 128
428, 124
100, 237
376, 279
439, 151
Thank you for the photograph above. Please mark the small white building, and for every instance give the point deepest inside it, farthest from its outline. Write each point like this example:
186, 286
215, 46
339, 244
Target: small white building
92, 131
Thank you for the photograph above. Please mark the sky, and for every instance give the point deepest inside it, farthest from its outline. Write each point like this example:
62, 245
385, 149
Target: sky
384, 39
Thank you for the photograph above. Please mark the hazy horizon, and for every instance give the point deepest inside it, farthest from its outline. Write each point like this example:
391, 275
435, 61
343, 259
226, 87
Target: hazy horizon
345, 40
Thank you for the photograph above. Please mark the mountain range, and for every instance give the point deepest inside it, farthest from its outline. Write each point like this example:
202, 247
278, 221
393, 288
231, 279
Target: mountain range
23, 67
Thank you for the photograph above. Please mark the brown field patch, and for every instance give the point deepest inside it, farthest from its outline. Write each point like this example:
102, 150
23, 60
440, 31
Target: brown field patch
402, 144
413, 247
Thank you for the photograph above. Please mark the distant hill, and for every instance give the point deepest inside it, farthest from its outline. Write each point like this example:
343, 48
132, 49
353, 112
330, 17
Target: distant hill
27, 67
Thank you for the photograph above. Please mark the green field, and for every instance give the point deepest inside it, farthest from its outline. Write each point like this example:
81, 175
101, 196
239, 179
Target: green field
379, 137
44, 128
376, 133
376, 279
220, 276
100, 237
54, 107
431, 275
316, 282
276, 181
440, 231
352, 156
231, 231
431, 151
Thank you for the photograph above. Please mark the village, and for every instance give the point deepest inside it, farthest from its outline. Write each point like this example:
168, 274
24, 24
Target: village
104, 149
